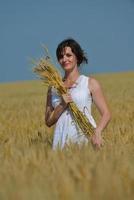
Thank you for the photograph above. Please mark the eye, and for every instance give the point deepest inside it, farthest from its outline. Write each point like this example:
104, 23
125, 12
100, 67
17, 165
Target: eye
68, 55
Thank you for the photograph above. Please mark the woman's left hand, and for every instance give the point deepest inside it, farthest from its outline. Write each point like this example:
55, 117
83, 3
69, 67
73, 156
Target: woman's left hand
97, 140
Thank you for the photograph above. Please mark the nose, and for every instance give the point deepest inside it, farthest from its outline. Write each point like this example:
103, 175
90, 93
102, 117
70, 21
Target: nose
64, 58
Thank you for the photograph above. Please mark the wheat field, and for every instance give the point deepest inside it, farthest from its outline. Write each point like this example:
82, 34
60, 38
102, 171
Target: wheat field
30, 169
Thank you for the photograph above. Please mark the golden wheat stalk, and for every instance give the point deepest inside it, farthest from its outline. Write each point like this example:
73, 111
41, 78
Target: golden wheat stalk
48, 73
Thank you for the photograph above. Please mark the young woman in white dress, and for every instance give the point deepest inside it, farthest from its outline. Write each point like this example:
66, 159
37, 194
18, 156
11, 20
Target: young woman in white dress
83, 91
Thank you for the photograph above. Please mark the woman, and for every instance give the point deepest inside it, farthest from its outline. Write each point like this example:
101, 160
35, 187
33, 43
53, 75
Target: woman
82, 90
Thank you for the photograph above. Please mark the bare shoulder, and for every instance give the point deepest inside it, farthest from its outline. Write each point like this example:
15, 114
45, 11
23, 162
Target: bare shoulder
94, 84
49, 96
49, 93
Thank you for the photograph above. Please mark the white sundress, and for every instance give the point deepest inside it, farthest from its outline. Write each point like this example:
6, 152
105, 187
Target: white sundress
66, 130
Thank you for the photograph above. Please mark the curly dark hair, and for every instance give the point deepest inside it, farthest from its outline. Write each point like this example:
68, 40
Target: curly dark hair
76, 49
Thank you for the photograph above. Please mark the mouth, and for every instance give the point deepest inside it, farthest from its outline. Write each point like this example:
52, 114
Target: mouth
66, 64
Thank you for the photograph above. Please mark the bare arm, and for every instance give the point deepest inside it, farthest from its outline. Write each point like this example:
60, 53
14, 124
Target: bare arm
53, 114
102, 107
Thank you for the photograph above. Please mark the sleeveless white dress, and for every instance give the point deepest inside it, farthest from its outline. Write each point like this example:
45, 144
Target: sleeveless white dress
66, 130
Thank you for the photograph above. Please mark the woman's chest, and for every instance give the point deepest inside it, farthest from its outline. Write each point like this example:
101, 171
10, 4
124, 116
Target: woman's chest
80, 95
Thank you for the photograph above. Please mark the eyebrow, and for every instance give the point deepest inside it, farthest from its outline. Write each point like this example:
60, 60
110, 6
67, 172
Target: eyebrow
62, 54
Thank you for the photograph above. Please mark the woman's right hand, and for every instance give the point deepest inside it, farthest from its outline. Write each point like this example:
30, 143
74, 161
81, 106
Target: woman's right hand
66, 98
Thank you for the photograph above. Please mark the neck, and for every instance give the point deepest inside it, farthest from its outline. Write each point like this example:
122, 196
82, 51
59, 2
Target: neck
73, 75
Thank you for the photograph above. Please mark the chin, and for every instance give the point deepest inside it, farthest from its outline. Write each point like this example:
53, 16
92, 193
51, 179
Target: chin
67, 68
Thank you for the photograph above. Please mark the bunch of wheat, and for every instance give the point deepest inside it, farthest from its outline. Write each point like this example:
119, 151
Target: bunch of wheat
51, 76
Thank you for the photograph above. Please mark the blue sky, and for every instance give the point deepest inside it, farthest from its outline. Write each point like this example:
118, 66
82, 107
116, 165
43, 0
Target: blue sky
104, 28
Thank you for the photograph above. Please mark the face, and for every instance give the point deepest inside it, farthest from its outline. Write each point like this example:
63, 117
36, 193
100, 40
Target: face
68, 60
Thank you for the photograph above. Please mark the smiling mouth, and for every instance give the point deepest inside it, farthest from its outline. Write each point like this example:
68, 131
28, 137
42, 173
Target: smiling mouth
66, 64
